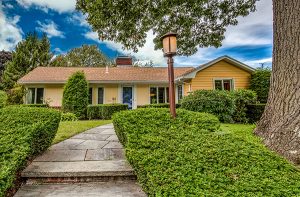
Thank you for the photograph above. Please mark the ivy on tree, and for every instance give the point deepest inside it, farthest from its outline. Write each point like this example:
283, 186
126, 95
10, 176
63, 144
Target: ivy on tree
198, 23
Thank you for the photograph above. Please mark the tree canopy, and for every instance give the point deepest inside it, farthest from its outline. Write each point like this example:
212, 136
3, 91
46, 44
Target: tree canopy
199, 23
84, 56
29, 54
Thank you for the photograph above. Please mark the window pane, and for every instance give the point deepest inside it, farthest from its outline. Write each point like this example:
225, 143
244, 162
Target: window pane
30, 95
100, 95
161, 95
227, 84
218, 84
40, 95
90, 96
167, 91
153, 95
179, 88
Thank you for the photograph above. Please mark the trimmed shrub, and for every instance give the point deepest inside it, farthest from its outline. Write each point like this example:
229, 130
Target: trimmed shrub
104, 111
16, 95
260, 83
3, 99
254, 112
75, 95
160, 105
35, 105
217, 102
68, 117
24, 133
242, 98
182, 157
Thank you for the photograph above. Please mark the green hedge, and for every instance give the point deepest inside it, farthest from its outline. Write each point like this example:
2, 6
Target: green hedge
242, 98
217, 102
260, 83
34, 105
254, 112
182, 158
24, 133
104, 111
68, 117
160, 105
3, 99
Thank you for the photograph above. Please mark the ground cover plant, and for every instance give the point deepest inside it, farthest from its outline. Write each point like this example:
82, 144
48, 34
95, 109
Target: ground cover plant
68, 129
192, 156
24, 133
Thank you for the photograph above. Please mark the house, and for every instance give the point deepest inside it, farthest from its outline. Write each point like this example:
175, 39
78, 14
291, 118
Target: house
135, 85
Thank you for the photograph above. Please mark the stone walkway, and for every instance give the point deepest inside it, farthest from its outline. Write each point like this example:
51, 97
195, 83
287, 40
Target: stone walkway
91, 163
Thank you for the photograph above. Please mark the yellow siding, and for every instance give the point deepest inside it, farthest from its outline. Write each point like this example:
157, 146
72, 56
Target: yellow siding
111, 94
142, 94
204, 78
53, 95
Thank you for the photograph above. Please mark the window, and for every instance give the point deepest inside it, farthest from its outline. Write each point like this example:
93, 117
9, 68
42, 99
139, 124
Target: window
159, 95
179, 92
35, 96
90, 96
223, 84
100, 95
153, 95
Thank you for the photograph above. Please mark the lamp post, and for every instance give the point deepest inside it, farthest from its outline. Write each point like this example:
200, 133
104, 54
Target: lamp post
169, 41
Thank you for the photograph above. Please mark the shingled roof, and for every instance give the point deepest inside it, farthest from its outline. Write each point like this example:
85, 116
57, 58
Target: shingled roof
46, 75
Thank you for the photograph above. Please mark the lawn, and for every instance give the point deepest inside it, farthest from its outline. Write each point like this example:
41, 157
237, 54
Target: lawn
68, 129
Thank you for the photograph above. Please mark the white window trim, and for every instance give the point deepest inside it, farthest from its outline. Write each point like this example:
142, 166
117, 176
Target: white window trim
158, 86
232, 79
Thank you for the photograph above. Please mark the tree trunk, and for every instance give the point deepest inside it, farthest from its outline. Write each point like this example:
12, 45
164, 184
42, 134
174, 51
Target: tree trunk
280, 124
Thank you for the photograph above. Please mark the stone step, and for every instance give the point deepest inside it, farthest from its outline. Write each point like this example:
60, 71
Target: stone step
78, 171
99, 189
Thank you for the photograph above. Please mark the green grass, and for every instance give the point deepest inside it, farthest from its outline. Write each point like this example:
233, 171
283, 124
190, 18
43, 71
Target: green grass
244, 131
68, 129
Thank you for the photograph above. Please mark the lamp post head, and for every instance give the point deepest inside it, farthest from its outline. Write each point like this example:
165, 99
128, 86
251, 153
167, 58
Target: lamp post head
169, 41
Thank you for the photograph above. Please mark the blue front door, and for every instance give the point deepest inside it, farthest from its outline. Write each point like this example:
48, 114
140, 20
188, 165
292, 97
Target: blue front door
127, 96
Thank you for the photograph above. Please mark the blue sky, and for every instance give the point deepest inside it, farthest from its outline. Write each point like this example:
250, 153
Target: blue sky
250, 41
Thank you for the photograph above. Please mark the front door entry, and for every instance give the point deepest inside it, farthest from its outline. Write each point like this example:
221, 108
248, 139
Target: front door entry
127, 96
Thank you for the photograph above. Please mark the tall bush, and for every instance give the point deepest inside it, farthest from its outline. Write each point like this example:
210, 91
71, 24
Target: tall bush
217, 102
3, 99
15, 96
75, 95
260, 83
243, 98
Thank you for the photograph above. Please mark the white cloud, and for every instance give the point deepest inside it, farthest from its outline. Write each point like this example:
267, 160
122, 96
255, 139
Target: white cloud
50, 28
57, 5
78, 19
10, 33
144, 54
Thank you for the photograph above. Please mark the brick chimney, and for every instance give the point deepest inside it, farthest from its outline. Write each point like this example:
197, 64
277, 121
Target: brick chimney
123, 61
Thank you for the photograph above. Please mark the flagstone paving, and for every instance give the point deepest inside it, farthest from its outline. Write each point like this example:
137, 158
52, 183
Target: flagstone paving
91, 163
